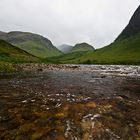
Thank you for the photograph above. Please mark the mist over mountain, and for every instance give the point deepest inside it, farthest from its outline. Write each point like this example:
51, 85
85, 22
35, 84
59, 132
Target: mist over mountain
125, 50
79, 47
65, 48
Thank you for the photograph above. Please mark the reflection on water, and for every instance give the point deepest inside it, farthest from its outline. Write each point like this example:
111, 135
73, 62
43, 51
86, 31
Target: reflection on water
71, 105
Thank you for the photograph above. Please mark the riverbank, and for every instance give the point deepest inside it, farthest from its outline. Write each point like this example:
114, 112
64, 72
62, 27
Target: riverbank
114, 69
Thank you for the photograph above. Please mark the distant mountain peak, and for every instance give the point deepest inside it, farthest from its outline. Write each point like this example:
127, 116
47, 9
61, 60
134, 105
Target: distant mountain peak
65, 48
133, 27
2, 32
82, 47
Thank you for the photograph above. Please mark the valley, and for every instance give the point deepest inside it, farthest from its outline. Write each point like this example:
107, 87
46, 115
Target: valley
125, 50
73, 91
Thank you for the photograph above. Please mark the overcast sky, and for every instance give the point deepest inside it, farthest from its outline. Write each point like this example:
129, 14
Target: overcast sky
97, 22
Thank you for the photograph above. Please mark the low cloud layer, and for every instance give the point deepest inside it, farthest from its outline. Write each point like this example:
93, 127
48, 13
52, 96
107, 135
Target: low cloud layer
97, 22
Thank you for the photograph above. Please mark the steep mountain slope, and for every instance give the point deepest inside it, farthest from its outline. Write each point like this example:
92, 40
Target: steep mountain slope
2, 34
10, 53
133, 27
82, 47
125, 49
65, 48
32, 43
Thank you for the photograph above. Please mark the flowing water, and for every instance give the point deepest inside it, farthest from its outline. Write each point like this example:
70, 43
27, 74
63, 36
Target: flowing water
84, 103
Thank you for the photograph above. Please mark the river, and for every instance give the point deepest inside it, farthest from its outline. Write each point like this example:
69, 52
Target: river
81, 102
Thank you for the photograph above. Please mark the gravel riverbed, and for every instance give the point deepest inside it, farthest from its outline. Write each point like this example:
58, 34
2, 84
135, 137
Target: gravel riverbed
70, 102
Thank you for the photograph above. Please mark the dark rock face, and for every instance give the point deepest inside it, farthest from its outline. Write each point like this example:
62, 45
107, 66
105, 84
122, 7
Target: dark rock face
133, 27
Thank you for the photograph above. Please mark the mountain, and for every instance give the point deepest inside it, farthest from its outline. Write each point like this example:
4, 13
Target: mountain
77, 48
73, 53
10, 53
2, 33
34, 44
133, 27
82, 47
65, 48
124, 50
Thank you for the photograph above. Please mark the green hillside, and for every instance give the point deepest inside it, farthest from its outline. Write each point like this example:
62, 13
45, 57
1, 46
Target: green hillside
82, 47
38, 49
125, 51
12, 54
66, 58
133, 26
32, 43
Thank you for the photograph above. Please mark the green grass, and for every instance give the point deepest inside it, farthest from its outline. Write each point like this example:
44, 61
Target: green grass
12, 54
32, 43
82, 47
6, 67
38, 49
125, 51
65, 58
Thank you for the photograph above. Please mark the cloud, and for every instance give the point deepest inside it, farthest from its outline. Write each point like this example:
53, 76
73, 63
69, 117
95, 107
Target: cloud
97, 22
